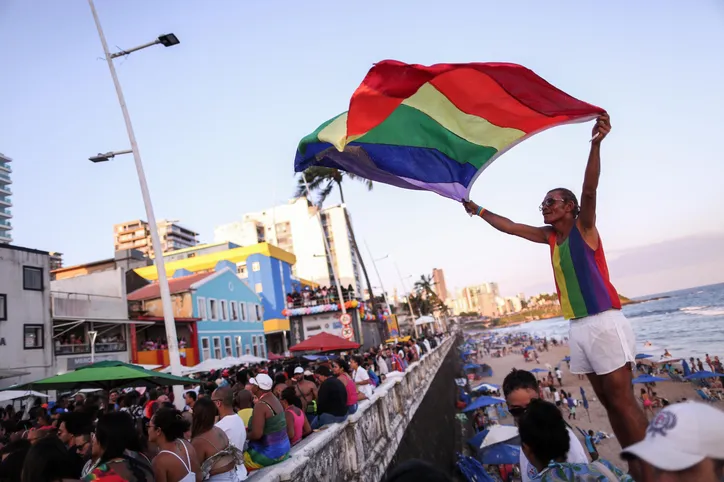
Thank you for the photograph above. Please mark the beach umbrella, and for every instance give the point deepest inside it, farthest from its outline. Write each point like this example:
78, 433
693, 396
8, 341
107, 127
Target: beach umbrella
498, 434
640, 356
705, 374
471, 366
539, 370
529, 348
501, 453
481, 402
477, 440
325, 342
105, 375
472, 469
585, 403
491, 387
648, 379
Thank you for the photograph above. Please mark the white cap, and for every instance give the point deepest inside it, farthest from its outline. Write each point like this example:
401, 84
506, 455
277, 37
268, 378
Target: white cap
262, 381
298, 371
680, 436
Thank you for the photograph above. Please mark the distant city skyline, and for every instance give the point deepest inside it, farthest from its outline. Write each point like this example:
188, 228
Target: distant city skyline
219, 116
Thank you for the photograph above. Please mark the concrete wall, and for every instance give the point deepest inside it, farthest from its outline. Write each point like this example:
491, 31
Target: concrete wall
24, 307
361, 448
98, 295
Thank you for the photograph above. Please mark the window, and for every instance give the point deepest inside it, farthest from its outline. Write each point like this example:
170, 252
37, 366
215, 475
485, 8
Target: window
224, 314
242, 310
257, 308
32, 278
258, 288
3, 307
205, 348
254, 345
33, 337
248, 350
262, 342
241, 271
212, 310
227, 346
202, 307
234, 311
237, 342
255, 266
217, 348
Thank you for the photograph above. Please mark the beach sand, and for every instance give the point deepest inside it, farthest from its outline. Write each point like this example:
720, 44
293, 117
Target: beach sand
609, 448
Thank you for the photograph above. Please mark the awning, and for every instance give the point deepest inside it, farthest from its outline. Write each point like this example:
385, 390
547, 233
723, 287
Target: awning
11, 373
276, 325
155, 319
100, 320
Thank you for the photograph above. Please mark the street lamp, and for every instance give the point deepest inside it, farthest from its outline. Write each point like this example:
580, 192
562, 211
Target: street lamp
169, 322
108, 156
374, 263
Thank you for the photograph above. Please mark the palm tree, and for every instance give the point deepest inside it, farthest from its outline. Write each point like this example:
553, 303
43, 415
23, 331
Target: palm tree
323, 180
424, 287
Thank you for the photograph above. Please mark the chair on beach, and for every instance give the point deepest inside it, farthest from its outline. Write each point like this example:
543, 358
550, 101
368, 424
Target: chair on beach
705, 397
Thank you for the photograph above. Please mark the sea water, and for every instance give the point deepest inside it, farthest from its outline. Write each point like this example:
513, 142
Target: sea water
687, 323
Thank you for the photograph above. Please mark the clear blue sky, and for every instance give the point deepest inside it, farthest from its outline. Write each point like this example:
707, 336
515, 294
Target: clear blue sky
219, 116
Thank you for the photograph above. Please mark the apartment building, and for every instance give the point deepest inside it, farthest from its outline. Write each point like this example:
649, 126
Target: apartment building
137, 235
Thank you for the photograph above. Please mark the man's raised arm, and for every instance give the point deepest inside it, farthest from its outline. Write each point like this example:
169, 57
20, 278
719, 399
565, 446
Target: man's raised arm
505, 225
587, 217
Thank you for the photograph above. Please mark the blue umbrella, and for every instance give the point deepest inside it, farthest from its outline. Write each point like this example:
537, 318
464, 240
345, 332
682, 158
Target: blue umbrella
486, 386
499, 454
481, 402
567, 358
700, 375
529, 348
470, 366
585, 403
477, 440
639, 356
648, 379
539, 370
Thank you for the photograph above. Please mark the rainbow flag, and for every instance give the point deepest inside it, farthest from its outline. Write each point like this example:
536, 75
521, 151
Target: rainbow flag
437, 128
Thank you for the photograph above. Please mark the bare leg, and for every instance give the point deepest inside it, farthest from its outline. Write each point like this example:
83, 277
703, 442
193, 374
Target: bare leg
627, 419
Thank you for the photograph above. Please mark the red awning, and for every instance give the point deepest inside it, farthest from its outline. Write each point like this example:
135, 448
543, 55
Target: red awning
325, 342
274, 357
160, 318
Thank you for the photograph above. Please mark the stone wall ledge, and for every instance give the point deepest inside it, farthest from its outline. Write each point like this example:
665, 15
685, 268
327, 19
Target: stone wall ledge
361, 448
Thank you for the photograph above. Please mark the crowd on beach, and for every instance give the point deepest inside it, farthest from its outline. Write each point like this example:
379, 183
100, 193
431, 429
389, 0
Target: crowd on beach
234, 421
684, 439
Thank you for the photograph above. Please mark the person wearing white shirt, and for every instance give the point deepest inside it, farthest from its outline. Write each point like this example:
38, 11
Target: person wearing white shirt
427, 345
519, 388
382, 364
361, 377
230, 422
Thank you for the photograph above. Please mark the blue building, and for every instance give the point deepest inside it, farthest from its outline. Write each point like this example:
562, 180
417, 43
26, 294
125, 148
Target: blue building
231, 316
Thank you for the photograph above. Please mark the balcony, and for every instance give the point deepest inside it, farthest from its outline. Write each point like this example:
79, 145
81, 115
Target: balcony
5, 201
5, 225
314, 298
5, 189
5, 178
189, 357
4, 167
5, 239
5, 213
84, 348
81, 306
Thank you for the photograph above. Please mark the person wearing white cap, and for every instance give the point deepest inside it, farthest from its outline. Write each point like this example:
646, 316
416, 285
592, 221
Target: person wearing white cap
306, 390
268, 439
684, 442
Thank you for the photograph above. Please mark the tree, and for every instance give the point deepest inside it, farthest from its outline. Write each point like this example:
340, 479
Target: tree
322, 180
424, 287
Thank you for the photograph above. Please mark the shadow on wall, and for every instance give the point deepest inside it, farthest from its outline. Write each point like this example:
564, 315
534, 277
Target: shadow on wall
433, 434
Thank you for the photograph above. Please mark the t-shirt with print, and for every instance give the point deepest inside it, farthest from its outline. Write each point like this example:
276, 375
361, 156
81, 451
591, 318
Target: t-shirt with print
576, 454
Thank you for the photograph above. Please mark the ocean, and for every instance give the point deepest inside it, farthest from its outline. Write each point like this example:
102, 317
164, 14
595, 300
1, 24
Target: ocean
688, 323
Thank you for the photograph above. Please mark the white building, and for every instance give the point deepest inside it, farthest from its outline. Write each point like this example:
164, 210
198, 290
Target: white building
25, 324
136, 235
295, 227
5, 192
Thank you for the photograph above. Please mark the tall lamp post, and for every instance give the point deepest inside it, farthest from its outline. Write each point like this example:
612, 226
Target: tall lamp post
167, 40
382, 287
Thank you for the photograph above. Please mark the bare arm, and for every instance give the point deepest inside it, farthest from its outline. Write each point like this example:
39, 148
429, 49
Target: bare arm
159, 472
587, 217
290, 424
505, 225
258, 419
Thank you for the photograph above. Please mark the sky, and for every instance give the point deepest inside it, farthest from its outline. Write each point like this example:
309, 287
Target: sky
219, 116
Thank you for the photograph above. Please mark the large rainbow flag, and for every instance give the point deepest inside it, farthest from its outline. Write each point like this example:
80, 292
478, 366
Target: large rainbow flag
437, 128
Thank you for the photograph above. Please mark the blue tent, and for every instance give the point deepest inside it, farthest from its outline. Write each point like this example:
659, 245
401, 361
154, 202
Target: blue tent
486, 386
539, 370
468, 352
477, 440
705, 374
640, 356
685, 366
471, 366
472, 469
481, 402
649, 379
529, 348
501, 453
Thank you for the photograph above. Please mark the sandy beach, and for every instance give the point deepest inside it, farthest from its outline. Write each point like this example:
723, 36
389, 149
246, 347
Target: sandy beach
609, 448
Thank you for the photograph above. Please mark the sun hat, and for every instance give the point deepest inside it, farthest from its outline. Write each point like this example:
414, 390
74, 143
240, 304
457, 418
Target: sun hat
262, 381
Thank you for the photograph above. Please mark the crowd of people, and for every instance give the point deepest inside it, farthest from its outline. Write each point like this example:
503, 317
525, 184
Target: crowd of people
319, 295
233, 422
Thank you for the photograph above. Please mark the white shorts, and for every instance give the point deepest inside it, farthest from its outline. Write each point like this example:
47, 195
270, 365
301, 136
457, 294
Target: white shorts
601, 343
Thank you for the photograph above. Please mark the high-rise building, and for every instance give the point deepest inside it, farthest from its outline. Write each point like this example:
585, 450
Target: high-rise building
5, 192
294, 227
137, 235
56, 260
438, 278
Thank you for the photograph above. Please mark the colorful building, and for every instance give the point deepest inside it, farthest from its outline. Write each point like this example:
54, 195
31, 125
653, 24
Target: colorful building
216, 313
266, 270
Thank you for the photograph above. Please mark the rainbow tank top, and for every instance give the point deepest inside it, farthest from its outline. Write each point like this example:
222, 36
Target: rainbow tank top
581, 274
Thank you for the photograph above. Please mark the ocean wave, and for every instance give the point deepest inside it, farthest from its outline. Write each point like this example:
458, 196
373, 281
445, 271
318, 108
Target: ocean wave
704, 310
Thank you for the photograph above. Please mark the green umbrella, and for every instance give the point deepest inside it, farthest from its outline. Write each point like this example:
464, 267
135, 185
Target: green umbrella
105, 375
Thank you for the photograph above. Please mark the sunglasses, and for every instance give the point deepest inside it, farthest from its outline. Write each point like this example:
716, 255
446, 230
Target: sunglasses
517, 411
550, 201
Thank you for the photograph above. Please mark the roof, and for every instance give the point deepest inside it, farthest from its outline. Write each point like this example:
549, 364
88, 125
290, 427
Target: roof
84, 265
195, 248
325, 342
22, 248
208, 261
175, 285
